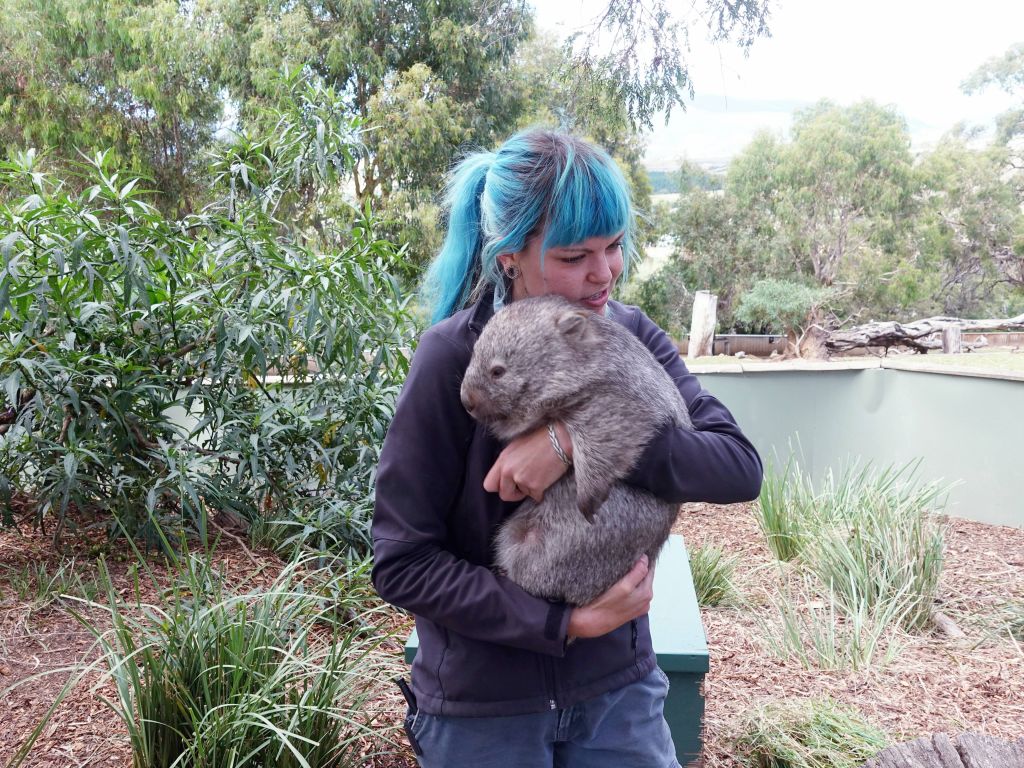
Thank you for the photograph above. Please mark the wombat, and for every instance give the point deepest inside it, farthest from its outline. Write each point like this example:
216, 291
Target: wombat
543, 359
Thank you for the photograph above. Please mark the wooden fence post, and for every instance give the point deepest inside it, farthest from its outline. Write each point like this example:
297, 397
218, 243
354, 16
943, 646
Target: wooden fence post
952, 339
702, 326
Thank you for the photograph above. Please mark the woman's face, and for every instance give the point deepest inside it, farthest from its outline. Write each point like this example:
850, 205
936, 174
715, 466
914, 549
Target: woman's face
584, 273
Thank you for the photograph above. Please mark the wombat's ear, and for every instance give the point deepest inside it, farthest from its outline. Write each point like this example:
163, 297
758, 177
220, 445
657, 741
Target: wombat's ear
572, 323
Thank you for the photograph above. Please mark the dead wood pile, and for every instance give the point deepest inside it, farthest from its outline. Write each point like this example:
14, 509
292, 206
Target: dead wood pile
920, 335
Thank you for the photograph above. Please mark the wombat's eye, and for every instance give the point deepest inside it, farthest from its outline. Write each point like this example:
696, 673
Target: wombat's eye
497, 371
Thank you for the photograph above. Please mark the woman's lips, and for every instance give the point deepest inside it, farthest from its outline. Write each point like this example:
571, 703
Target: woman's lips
596, 300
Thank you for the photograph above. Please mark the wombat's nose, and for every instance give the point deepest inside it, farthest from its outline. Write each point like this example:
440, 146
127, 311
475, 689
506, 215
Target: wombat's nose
468, 401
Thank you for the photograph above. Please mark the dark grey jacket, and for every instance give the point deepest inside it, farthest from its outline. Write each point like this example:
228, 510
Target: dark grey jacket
486, 646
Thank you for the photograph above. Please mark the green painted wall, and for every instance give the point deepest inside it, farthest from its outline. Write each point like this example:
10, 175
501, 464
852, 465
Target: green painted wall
964, 428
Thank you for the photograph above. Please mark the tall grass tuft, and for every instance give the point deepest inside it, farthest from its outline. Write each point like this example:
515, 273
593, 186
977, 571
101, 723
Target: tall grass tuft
211, 679
815, 632
810, 733
878, 543
867, 549
712, 575
783, 511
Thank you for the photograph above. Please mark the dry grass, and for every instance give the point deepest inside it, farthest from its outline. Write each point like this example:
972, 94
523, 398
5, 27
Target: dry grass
988, 360
996, 360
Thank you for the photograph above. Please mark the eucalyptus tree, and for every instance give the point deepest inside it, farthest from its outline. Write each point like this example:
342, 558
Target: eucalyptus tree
423, 78
970, 232
830, 207
844, 188
132, 76
1006, 72
636, 52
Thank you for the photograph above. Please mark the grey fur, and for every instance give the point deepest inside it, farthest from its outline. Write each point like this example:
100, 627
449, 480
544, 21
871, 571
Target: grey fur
543, 359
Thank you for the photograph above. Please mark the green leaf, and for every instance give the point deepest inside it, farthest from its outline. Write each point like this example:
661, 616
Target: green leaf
7, 244
70, 465
126, 190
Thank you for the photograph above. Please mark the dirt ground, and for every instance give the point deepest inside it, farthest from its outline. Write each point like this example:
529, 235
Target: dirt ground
935, 684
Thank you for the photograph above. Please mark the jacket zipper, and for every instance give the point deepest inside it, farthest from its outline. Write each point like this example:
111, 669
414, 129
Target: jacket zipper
549, 681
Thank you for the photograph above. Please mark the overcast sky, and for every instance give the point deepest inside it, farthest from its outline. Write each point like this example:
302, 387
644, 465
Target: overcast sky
912, 54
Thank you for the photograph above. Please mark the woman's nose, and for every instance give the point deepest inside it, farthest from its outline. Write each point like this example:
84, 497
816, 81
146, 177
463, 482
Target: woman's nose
601, 272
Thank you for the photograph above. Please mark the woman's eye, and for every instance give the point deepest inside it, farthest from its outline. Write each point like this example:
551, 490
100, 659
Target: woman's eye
615, 246
497, 371
574, 259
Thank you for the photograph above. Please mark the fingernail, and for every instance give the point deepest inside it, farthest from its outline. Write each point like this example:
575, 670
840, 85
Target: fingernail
645, 560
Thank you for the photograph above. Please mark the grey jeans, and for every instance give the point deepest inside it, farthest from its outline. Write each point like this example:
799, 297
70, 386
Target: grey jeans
624, 728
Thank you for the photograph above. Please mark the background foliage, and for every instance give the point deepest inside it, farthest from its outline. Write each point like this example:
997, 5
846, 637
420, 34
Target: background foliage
159, 82
843, 205
149, 364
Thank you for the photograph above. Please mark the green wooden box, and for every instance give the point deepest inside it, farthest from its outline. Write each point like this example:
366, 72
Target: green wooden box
682, 648
679, 643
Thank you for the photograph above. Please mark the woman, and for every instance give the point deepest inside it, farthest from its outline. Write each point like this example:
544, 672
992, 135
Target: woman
495, 682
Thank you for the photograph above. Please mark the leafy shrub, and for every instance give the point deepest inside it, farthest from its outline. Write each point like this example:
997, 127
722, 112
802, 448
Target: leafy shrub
810, 733
712, 575
154, 369
779, 306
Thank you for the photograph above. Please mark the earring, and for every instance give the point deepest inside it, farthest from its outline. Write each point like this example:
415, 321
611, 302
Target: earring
512, 272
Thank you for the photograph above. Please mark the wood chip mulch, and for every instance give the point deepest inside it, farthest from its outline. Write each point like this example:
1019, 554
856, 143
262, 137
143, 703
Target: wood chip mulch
934, 684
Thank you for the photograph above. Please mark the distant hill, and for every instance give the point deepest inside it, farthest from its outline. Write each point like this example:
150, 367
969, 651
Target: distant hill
690, 176
663, 182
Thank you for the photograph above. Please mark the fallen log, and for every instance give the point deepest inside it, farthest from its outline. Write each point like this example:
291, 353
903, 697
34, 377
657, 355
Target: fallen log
935, 751
980, 751
920, 335
971, 750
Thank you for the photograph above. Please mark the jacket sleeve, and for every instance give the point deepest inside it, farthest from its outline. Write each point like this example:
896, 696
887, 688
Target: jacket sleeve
715, 462
419, 479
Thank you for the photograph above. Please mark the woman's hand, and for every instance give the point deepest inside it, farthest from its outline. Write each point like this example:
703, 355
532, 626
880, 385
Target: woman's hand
624, 601
528, 465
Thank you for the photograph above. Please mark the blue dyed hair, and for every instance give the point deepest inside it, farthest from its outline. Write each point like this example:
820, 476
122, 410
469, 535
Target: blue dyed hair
539, 182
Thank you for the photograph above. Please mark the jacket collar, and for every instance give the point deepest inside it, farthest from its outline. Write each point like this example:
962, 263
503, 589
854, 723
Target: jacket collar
483, 311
